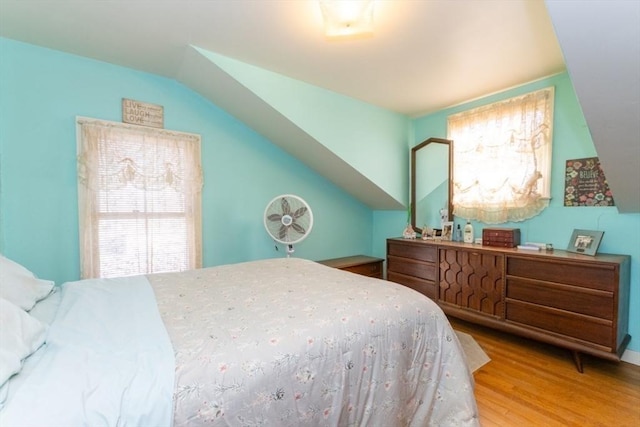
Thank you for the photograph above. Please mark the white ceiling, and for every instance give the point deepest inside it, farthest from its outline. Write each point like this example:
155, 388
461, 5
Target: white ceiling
424, 55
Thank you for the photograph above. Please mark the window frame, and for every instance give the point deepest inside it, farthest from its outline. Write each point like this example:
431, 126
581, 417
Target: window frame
89, 209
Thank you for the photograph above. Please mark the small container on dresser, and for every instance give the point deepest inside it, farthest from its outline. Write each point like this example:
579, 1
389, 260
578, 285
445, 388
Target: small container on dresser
501, 237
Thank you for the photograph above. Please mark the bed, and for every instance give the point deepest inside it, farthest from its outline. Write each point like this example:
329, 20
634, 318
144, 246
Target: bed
280, 342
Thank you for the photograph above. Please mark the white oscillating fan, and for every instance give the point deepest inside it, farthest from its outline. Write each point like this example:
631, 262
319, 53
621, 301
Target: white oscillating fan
288, 220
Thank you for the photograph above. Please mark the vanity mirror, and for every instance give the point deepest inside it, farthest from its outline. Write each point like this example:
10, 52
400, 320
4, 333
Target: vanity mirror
431, 188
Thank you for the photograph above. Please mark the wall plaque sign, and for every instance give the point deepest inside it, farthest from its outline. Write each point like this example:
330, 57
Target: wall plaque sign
142, 113
585, 184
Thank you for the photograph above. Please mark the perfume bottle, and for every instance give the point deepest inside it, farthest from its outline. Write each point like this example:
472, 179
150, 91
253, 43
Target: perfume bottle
458, 235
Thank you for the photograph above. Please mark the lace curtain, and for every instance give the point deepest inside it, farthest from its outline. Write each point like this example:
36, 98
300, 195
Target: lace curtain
502, 158
139, 199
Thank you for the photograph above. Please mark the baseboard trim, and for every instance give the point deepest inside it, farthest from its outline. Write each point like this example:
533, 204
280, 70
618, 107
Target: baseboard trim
632, 357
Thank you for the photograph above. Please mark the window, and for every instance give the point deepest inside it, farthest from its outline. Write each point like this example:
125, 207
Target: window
139, 199
502, 158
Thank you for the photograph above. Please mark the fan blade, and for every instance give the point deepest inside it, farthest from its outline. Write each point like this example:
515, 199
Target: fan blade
299, 212
286, 209
274, 217
298, 228
282, 233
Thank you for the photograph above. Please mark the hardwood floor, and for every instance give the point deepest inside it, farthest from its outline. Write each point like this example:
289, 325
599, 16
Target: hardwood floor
528, 383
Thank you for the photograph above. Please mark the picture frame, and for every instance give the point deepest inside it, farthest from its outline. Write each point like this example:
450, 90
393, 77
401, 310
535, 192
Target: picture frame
585, 242
447, 230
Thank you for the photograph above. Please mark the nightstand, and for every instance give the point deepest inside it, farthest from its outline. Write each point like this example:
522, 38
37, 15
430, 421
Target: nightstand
359, 264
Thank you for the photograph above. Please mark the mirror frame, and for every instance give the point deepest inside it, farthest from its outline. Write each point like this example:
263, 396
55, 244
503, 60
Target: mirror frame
414, 152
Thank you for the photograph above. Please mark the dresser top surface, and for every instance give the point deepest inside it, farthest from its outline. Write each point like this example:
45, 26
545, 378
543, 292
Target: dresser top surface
555, 254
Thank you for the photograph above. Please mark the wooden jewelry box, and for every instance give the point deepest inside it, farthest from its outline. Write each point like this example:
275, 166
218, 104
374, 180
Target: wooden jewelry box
501, 237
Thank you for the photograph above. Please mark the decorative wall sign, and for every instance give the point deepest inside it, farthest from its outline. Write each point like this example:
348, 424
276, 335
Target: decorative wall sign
585, 184
141, 113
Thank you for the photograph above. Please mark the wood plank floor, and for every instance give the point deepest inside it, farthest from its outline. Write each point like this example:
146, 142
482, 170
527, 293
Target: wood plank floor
528, 383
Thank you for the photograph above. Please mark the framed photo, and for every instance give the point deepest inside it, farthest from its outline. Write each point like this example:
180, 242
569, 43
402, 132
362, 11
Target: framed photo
447, 230
585, 242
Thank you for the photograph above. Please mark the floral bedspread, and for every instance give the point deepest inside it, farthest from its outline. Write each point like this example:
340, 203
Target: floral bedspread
289, 342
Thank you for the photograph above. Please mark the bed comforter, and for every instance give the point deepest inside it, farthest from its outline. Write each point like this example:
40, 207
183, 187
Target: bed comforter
289, 342
283, 342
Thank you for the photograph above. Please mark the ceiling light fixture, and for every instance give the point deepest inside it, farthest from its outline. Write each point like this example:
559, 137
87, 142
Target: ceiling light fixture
347, 18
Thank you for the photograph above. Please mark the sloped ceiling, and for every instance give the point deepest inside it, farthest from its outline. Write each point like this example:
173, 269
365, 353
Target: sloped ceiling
204, 76
601, 45
422, 57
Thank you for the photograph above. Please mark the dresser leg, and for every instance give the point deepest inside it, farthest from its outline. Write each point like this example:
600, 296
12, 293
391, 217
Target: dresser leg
577, 359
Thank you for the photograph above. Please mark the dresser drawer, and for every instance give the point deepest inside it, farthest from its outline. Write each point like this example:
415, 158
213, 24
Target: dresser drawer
578, 300
603, 277
373, 269
472, 280
359, 264
410, 267
413, 251
585, 328
425, 287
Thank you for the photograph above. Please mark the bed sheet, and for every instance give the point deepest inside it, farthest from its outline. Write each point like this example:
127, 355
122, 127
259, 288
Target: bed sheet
107, 361
44, 311
290, 342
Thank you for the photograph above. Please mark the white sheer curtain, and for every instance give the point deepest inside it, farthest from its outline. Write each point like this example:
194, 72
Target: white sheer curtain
139, 199
502, 158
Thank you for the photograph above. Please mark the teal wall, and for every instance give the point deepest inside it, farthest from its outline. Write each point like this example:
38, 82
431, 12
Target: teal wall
571, 140
363, 135
41, 93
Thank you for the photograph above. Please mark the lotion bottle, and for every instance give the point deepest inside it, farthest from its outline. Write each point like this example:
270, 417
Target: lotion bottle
468, 232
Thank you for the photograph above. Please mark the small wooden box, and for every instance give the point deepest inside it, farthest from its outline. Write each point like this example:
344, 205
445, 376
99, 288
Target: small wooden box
501, 237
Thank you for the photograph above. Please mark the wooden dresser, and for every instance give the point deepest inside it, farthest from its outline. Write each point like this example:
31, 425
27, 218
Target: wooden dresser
574, 301
359, 264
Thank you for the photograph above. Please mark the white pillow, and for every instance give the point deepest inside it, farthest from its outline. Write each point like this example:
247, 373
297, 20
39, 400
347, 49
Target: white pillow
20, 335
20, 286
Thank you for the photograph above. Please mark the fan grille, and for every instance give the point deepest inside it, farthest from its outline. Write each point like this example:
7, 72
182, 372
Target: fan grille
288, 219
